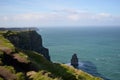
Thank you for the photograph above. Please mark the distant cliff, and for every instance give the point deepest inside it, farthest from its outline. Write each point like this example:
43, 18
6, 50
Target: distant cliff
28, 40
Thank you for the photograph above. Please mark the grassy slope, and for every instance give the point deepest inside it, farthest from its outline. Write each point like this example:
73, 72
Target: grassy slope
5, 44
47, 70
59, 70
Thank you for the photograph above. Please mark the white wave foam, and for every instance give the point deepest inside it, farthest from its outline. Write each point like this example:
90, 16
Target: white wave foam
80, 64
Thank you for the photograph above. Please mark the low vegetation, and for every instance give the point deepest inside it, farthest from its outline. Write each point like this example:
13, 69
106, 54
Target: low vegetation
9, 73
5, 44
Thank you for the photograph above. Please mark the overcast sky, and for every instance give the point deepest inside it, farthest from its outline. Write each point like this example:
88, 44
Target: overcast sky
57, 13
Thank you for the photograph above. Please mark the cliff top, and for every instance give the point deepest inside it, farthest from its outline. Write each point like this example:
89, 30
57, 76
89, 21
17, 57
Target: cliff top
19, 29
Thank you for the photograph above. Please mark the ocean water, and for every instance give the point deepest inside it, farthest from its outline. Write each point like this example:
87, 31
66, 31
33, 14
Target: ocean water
98, 48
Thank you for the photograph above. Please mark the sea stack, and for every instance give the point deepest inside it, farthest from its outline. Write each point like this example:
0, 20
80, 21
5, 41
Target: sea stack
74, 61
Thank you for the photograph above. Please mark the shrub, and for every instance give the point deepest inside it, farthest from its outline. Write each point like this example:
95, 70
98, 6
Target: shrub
20, 76
1, 78
10, 68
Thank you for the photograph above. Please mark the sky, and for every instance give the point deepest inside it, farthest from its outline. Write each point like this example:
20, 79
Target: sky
57, 13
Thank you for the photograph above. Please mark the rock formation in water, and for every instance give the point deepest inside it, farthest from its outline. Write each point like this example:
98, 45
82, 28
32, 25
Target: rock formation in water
74, 61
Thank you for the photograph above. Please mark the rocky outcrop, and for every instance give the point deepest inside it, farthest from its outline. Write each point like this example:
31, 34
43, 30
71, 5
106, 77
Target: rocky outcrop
74, 61
28, 40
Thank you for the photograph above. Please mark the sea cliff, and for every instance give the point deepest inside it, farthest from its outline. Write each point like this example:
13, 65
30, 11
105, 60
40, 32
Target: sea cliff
23, 57
28, 40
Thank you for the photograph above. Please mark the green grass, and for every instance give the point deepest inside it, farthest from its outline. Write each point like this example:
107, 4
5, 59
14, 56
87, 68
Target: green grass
23, 56
1, 54
59, 70
20, 76
79, 73
8, 32
43, 75
1, 78
4, 43
10, 68
3, 32
39, 60
10, 74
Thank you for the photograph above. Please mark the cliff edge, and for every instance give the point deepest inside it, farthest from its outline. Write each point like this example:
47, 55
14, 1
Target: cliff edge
27, 40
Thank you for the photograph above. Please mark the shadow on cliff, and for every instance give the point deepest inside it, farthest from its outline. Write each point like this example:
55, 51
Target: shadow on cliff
19, 66
90, 68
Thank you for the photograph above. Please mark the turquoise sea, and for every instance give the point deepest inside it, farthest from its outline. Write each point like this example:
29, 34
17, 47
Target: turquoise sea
98, 48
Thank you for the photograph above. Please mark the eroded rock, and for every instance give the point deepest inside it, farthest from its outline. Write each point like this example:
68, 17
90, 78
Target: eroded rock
74, 61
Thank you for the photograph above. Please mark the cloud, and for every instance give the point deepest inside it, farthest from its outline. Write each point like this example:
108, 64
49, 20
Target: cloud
28, 17
103, 16
60, 17
5, 18
73, 17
